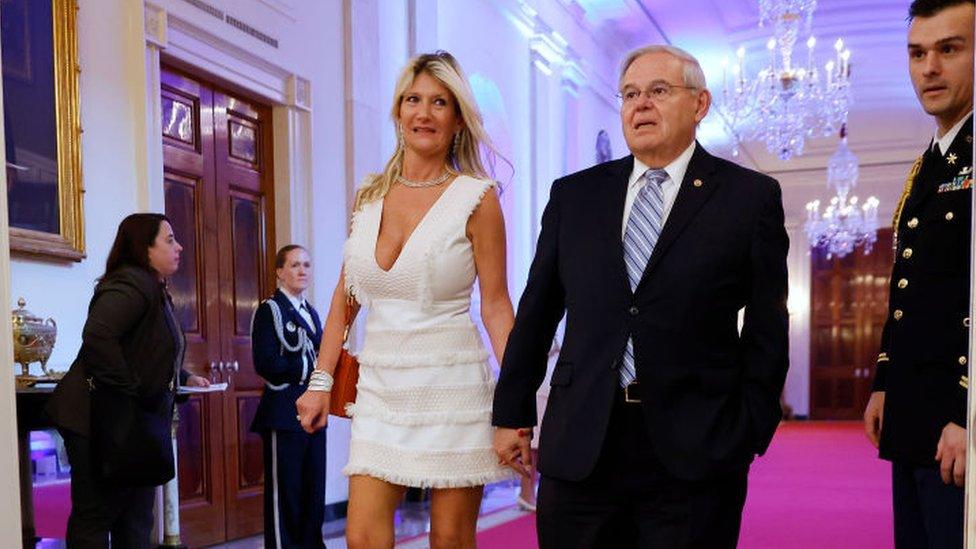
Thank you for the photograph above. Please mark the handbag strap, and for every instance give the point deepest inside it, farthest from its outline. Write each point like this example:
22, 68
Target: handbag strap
348, 318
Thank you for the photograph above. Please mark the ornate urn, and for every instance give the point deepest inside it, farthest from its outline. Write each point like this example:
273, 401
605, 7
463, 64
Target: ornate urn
33, 342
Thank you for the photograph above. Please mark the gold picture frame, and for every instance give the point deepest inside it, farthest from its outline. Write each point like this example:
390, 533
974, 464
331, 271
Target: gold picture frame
68, 244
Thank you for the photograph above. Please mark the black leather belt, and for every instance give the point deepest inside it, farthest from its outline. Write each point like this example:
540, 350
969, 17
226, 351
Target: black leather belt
632, 393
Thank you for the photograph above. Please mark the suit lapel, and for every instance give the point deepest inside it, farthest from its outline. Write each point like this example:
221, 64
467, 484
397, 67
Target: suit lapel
618, 173
694, 191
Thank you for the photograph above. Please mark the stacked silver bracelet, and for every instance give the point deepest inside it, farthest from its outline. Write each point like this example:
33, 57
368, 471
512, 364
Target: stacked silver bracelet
320, 380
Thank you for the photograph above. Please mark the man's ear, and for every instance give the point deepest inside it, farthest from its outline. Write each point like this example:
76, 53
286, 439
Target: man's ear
704, 103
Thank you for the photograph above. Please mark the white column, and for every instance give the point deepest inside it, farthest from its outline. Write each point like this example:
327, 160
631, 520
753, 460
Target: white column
9, 468
797, 390
152, 197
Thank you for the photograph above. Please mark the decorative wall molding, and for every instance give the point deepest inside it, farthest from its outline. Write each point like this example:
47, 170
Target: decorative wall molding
289, 94
155, 24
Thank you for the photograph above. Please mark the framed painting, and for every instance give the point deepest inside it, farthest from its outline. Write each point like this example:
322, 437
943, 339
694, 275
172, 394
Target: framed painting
42, 128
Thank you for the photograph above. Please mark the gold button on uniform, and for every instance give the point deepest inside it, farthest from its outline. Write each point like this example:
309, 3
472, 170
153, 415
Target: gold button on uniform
906, 253
949, 216
912, 223
962, 361
903, 283
697, 182
965, 322
898, 314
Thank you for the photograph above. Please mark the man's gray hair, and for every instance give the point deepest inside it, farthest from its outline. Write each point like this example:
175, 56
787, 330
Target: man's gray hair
694, 76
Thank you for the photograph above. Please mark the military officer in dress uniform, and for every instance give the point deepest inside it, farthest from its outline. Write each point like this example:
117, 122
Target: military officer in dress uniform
285, 336
917, 411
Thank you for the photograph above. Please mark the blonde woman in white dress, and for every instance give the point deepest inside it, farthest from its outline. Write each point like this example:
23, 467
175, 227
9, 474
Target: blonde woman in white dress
422, 231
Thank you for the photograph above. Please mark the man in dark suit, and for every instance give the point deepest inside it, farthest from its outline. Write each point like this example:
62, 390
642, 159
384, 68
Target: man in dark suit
658, 403
286, 334
917, 411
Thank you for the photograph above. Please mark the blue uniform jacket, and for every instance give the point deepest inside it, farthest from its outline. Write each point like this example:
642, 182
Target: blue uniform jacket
283, 370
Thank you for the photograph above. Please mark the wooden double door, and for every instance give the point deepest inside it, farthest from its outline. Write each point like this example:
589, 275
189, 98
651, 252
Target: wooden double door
849, 304
217, 174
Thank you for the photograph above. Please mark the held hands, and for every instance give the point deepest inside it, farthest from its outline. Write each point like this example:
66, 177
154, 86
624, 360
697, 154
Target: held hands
874, 417
197, 381
513, 449
313, 410
951, 453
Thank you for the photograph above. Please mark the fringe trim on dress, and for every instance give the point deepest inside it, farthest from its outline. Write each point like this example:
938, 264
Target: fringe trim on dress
391, 417
424, 468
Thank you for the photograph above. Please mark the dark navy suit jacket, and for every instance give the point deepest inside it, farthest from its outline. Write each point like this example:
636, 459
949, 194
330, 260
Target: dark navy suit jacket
710, 395
279, 367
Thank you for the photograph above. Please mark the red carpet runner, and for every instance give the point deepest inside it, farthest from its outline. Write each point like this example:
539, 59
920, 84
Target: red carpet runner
820, 485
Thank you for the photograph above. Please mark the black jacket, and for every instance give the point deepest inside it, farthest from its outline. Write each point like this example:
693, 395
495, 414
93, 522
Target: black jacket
285, 373
710, 397
127, 344
922, 365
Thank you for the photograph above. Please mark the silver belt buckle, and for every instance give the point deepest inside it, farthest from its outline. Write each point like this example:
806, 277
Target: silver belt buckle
627, 398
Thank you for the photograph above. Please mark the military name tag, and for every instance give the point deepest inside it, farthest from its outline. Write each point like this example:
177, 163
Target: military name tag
961, 182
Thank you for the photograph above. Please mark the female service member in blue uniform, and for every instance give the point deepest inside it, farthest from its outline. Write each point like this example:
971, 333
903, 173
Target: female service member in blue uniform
285, 338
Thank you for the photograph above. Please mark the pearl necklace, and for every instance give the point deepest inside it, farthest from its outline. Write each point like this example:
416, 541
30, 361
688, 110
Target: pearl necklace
422, 184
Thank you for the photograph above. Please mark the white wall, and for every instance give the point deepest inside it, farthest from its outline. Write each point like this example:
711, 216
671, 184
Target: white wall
112, 90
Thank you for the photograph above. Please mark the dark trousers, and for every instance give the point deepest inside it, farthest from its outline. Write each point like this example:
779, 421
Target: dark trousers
99, 510
294, 489
630, 500
928, 513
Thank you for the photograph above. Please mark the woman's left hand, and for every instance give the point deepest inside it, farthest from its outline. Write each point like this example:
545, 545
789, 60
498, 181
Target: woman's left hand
197, 381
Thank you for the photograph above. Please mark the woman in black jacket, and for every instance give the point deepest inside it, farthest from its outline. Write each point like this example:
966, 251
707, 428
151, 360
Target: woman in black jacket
121, 389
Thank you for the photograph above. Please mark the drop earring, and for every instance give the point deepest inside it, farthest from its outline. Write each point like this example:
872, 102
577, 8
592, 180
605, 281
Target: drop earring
400, 141
454, 145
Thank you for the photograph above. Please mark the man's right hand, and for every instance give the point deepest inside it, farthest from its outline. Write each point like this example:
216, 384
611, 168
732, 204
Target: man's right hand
513, 449
313, 410
874, 417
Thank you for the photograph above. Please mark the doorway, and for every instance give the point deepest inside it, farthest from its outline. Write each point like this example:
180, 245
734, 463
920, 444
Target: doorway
217, 154
849, 304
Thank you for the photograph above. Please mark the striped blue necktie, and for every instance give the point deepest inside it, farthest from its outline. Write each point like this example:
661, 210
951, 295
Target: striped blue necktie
643, 229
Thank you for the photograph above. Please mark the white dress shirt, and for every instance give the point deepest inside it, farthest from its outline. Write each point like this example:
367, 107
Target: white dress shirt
676, 172
946, 140
297, 302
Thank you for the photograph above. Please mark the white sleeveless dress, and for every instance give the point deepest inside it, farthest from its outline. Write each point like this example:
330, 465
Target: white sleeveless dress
422, 415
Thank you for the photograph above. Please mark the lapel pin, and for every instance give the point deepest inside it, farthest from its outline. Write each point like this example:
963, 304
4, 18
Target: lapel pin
952, 159
697, 182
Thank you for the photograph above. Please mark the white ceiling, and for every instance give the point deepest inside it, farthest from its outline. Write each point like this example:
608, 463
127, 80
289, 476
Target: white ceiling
886, 124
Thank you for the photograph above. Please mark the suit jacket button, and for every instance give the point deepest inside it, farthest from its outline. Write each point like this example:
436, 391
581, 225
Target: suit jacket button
898, 314
634, 310
907, 253
962, 361
912, 223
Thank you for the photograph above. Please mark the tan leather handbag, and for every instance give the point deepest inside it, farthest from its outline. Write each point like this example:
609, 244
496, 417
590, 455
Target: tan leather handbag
346, 373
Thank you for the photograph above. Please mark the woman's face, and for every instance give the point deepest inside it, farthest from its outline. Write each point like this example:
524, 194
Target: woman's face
294, 276
164, 253
428, 116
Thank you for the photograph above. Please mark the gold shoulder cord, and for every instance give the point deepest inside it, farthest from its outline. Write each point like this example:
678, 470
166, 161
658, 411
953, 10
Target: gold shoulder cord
912, 174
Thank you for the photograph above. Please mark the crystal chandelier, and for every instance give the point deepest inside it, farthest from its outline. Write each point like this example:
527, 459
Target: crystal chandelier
843, 225
786, 103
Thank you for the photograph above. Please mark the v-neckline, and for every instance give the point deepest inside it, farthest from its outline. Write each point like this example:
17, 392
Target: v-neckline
406, 242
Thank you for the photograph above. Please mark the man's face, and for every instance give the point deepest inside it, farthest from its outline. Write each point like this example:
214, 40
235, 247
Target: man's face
661, 127
940, 61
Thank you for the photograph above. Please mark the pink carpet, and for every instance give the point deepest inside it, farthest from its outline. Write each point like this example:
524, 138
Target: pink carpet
52, 504
819, 485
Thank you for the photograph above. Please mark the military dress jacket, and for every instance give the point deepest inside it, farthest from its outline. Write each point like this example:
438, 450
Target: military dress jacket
922, 365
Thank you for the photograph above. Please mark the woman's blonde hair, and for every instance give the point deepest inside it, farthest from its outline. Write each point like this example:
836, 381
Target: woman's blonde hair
466, 157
